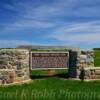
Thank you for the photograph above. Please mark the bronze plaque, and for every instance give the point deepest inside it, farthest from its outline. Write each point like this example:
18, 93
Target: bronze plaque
49, 60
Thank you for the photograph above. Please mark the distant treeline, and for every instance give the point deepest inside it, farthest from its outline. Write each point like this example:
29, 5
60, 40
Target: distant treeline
96, 48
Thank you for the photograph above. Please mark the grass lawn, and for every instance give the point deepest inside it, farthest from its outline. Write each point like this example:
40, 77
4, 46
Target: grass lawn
55, 87
97, 58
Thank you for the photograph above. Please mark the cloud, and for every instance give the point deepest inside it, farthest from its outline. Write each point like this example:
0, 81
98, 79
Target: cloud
28, 15
24, 25
66, 21
13, 43
76, 33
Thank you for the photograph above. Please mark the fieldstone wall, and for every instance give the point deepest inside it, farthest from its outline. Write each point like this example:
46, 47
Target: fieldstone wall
85, 59
79, 59
14, 65
91, 73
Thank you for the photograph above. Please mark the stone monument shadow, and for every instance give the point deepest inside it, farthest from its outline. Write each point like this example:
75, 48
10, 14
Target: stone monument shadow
62, 75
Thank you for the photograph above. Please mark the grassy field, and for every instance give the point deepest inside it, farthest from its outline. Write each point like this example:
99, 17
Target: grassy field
97, 58
57, 87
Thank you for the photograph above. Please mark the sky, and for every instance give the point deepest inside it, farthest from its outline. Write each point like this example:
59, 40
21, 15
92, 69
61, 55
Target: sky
50, 22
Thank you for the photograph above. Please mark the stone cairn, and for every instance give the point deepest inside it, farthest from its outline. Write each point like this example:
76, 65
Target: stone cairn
80, 59
14, 66
85, 61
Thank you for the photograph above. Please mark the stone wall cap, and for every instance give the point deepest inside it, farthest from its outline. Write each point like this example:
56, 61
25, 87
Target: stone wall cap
92, 68
7, 69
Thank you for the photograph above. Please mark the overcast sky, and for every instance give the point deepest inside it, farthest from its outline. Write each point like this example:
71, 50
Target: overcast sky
50, 22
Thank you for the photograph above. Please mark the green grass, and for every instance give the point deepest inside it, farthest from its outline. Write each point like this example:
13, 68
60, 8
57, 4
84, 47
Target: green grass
97, 58
39, 50
45, 72
49, 50
52, 88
